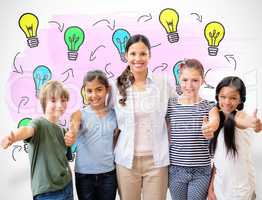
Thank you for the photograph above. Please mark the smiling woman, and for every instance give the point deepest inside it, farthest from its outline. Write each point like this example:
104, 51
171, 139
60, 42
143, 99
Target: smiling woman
138, 57
140, 102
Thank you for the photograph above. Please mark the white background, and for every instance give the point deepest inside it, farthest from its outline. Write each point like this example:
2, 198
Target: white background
243, 19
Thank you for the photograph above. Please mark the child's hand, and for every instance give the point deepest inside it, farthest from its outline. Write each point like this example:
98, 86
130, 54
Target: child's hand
256, 122
69, 138
8, 140
75, 121
207, 129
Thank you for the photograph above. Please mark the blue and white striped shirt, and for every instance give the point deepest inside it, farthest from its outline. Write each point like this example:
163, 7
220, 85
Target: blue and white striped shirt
188, 147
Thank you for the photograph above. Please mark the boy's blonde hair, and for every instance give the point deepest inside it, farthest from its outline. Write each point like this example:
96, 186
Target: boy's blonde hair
52, 89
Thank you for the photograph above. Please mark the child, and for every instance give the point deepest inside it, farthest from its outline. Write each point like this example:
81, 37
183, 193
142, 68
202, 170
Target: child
50, 173
233, 173
190, 162
95, 124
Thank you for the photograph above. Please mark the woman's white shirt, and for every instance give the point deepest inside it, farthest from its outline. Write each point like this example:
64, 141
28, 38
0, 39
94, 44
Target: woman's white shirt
159, 91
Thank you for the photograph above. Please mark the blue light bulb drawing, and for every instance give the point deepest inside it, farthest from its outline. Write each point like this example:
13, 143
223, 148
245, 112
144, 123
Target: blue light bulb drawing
176, 71
120, 38
41, 75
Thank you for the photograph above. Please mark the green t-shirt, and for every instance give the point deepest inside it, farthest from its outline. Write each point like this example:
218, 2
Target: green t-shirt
47, 153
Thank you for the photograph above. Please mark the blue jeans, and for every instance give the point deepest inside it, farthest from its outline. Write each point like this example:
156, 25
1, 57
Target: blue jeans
96, 186
189, 182
64, 194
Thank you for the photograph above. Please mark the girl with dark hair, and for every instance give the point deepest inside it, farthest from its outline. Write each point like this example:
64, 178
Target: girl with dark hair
192, 122
140, 100
233, 172
95, 127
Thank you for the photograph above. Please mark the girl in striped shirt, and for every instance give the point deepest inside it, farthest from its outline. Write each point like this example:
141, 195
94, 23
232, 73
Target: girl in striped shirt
192, 122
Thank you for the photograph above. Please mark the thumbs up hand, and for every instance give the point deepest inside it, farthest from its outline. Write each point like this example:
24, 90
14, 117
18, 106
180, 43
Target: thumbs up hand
69, 138
207, 129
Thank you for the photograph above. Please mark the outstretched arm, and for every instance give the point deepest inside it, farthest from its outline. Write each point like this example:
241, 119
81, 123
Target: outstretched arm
243, 120
20, 134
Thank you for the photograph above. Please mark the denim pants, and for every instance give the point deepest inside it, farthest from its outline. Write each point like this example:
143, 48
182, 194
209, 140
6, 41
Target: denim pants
189, 182
64, 194
96, 186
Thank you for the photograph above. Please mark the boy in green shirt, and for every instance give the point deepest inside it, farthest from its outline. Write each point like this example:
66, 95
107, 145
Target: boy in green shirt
51, 177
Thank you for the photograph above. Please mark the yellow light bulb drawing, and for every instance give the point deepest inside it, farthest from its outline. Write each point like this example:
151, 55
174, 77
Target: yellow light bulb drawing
169, 19
84, 96
28, 22
214, 33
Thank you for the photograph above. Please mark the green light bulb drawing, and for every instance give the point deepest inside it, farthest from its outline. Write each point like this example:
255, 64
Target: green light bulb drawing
74, 37
24, 122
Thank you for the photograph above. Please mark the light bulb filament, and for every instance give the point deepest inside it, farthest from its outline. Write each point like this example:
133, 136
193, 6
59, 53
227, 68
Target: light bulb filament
30, 30
46, 77
214, 37
73, 40
170, 26
122, 44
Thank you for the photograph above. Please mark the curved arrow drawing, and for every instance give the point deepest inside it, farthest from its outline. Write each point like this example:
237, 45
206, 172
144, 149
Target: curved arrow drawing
13, 151
24, 100
60, 27
62, 123
108, 23
109, 73
92, 56
147, 17
15, 68
67, 72
199, 17
156, 45
206, 84
163, 67
231, 56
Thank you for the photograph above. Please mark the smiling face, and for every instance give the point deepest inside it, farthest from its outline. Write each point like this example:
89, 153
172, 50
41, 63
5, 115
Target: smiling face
190, 82
138, 56
228, 99
96, 93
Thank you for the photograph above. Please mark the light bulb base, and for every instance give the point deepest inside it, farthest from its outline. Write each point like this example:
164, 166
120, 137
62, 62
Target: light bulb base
212, 51
178, 90
72, 55
32, 42
123, 58
173, 37
37, 92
